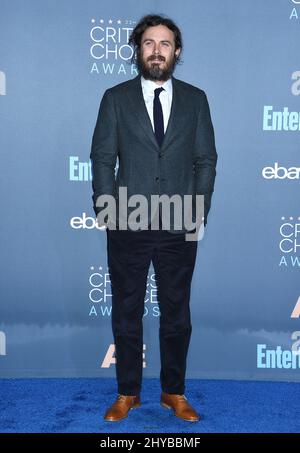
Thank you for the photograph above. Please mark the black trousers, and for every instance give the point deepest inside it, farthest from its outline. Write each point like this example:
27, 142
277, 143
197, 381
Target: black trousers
129, 256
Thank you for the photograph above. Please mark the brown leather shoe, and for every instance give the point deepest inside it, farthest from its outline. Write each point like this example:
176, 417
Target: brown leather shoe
180, 406
121, 407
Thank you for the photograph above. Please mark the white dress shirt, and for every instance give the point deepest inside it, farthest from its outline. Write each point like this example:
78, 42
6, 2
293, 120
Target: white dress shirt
165, 98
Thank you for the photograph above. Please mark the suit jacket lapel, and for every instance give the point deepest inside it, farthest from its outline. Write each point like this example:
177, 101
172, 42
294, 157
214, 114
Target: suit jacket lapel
136, 100
138, 106
171, 128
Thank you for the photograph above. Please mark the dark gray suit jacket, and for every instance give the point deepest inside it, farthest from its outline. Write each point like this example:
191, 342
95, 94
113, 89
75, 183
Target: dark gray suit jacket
184, 164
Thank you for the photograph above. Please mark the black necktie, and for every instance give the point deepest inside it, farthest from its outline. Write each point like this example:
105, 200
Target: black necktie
158, 117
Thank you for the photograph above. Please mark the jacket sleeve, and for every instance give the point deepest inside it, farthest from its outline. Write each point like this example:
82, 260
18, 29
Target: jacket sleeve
104, 150
205, 156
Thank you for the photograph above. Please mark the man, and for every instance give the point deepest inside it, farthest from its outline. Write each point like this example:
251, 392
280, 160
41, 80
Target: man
160, 129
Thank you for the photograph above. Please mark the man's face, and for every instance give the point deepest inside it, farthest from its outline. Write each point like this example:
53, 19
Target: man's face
157, 58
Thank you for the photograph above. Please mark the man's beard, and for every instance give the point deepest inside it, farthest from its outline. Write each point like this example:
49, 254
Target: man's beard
154, 71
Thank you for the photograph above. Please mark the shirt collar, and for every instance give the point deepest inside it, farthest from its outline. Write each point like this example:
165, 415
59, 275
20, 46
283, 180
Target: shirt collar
149, 86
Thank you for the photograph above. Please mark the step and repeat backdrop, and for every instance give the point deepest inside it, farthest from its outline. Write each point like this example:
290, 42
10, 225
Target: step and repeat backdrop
56, 60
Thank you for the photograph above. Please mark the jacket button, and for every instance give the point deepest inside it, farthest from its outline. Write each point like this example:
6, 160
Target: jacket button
160, 154
157, 179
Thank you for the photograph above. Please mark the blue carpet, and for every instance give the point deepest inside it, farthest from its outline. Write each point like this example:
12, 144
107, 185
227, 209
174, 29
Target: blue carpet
77, 405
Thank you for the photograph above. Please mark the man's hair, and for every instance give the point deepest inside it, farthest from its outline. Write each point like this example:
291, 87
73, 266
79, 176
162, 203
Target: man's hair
151, 20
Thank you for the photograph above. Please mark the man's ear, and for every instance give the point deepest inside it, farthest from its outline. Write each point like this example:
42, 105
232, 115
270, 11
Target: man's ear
177, 52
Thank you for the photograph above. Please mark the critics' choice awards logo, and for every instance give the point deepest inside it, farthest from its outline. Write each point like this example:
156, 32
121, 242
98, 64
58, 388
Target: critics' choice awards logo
294, 14
100, 294
109, 49
289, 242
283, 119
280, 357
2, 84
